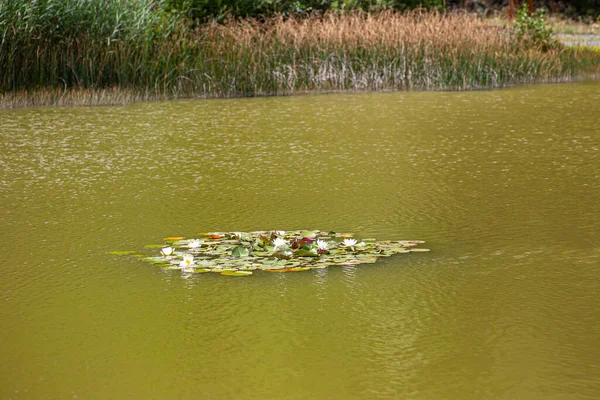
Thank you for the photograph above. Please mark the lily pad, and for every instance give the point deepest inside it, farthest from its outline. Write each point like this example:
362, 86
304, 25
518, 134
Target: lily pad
156, 260
236, 273
309, 234
121, 252
298, 269
240, 251
306, 253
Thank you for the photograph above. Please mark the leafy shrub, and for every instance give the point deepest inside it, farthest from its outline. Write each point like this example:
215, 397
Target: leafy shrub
533, 29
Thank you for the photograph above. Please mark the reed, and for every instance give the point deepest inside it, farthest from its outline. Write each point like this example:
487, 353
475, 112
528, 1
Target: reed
134, 54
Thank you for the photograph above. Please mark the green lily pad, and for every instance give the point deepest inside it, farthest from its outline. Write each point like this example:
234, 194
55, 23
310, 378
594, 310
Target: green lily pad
306, 253
310, 234
272, 266
240, 251
156, 260
121, 252
236, 273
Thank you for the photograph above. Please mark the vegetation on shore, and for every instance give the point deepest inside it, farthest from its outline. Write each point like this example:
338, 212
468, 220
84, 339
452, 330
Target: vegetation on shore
117, 51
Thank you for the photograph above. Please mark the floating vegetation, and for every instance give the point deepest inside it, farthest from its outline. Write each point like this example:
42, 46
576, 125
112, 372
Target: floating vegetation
241, 253
121, 252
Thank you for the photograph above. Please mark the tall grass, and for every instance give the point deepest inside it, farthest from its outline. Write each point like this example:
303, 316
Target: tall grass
131, 47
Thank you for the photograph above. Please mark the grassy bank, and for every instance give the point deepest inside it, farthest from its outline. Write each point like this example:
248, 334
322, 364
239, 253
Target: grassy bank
146, 55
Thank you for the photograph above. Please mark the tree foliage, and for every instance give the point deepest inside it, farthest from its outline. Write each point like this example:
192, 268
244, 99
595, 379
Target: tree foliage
590, 8
203, 9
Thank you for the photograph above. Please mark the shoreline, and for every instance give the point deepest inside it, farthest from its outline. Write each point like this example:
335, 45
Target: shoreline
111, 97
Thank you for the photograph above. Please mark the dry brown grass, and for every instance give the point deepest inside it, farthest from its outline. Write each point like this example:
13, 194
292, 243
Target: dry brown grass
386, 28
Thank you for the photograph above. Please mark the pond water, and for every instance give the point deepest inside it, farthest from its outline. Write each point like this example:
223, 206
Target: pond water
504, 186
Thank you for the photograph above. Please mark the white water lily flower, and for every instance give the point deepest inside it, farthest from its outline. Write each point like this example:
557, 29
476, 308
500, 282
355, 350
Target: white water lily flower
279, 243
166, 251
188, 261
322, 245
194, 244
349, 242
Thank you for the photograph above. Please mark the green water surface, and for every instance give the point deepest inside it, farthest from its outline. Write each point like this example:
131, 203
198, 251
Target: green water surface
503, 185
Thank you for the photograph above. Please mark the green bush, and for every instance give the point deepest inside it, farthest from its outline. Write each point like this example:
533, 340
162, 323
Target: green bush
533, 29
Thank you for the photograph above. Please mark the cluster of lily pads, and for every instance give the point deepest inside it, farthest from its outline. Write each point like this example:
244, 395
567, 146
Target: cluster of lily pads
241, 253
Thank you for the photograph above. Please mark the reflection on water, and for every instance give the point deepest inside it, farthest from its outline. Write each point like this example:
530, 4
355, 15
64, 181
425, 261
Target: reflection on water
503, 186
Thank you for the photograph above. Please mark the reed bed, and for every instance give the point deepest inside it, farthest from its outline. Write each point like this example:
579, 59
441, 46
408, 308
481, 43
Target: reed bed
169, 58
